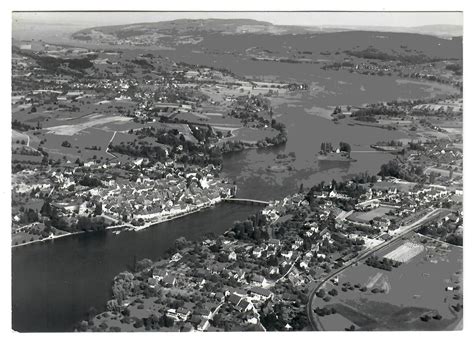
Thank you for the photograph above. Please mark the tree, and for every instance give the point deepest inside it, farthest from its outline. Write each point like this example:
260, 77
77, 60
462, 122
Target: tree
143, 264
91, 313
98, 209
345, 147
390, 169
113, 305
138, 323
166, 321
46, 209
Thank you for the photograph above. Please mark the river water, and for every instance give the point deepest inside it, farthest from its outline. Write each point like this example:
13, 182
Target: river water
305, 115
55, 283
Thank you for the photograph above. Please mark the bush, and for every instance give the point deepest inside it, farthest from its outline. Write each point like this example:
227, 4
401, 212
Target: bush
138, 323
321, 293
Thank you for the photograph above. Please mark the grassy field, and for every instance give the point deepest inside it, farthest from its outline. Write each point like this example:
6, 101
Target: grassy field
91, 121
213, 119
17, 136
79, 141
405, 252
366, 217
405, 294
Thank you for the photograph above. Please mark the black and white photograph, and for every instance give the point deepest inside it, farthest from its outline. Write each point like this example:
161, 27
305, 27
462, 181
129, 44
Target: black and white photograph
235, 171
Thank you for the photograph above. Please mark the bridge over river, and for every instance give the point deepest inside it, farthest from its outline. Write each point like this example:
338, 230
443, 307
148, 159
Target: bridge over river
247, 201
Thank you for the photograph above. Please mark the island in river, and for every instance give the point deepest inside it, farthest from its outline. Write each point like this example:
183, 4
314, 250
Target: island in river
51, 294
341, 154
335, 156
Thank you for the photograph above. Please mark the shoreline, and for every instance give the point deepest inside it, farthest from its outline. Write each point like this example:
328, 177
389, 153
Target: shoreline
177, 216
131, 227
46, 239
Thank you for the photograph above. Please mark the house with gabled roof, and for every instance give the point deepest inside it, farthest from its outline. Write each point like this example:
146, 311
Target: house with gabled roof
260, 293
258, 280
244, 306
203, 325
237, 291
204, 313
234, 299
257, 252
274, 242
159, 274
169, 281
183, 313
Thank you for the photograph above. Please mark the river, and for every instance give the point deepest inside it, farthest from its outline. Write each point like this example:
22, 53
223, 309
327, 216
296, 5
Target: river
305, 115
55, 283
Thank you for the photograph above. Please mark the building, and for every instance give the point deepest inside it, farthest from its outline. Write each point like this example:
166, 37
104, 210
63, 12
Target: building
159, 274
169, 281
203, 325
258, 280
261, 294
244, 306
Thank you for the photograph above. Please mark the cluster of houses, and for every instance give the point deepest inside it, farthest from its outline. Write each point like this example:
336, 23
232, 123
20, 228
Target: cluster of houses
141, 201
149, 199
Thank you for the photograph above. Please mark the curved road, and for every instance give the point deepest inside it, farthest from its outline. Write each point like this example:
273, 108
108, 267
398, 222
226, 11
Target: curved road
402, 232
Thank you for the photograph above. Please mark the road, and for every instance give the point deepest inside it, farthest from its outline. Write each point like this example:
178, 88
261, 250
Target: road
107, 149
289, 270
402, 231
28, 141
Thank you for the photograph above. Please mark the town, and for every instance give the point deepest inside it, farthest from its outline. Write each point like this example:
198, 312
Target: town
258, 275
303, 187
141, 146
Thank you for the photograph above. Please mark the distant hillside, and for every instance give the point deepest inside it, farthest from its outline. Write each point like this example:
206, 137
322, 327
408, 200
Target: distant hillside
439, 30
263, 39
443, 31
243, 26
190, 27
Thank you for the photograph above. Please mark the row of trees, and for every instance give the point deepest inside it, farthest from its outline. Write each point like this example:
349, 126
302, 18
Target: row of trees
384, 263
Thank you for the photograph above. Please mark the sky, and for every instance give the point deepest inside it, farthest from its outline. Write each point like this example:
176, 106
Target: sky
395, 19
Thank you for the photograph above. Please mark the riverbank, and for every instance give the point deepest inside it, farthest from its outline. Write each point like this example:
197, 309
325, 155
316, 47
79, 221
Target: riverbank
133, 228
176, 216
46, 239
54, 285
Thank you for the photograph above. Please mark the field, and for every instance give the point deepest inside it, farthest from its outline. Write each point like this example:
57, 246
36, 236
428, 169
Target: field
405, 252
18, 137
80, 142
69, 112
366, 217
93, 120
213, 119
336, 322
397, 299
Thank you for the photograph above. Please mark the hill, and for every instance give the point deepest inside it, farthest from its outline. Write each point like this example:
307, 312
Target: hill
190, 27
258, 38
